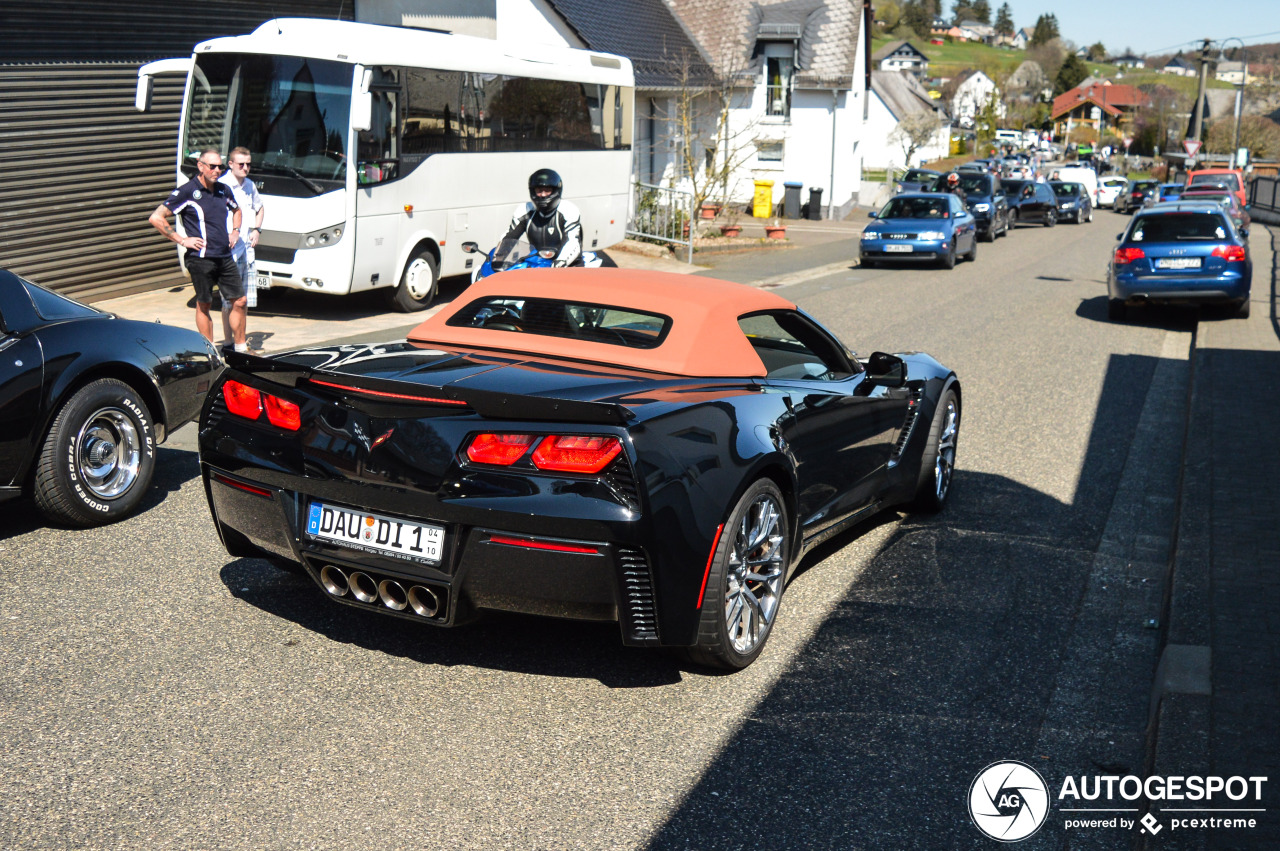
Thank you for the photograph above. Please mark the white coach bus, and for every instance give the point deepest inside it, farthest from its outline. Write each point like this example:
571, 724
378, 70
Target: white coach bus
379, 150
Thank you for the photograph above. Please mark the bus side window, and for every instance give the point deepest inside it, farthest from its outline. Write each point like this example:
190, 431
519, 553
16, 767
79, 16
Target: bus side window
378, 148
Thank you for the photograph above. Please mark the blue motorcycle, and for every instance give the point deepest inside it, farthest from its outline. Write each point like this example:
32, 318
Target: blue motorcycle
512, 254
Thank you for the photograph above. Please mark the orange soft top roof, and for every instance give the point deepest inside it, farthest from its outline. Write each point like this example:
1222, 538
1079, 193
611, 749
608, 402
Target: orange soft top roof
704, 339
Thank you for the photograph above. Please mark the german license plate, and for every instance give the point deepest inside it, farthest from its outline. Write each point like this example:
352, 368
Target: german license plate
264, 282
900, 249
375, 533
1178, 263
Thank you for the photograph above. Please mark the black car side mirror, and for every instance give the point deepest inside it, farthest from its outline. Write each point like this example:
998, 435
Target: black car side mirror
470, 248
1119, 237
873, 215
885, 370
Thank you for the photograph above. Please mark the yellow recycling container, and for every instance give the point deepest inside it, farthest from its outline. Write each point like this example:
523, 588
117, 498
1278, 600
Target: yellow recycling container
762, 204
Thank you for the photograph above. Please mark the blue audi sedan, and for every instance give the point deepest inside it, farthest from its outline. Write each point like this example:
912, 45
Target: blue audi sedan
1180, 253
920, 227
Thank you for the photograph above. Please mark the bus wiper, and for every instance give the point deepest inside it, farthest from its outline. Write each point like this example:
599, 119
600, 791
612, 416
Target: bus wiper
289, 171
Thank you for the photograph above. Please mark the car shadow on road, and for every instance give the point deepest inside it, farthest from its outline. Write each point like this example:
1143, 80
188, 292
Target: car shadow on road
1167, 317
539, 646
174, 468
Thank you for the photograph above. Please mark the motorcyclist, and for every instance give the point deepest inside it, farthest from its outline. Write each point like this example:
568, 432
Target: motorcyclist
547, 221
952, 185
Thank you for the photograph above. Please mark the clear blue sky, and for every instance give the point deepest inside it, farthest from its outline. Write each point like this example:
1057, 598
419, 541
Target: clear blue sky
1152, 27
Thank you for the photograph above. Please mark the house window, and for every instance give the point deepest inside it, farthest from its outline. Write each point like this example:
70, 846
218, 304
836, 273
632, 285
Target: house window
769, 152
778, 73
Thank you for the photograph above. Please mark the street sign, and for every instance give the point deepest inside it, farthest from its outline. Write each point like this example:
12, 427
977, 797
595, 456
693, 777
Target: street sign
1128, 140
1192, 146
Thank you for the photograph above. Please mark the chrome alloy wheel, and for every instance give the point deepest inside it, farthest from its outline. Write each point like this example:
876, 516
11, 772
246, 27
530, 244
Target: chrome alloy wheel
418, 278
753, 582
108, 453
945, 462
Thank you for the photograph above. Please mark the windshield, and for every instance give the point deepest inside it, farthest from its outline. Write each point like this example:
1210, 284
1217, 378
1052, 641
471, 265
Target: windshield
1179, 227
292, 113
975, 184
915, 208
1228, 180
916, 175
1066, 190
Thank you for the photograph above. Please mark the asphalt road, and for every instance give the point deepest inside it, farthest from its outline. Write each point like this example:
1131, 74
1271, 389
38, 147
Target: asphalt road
157, 693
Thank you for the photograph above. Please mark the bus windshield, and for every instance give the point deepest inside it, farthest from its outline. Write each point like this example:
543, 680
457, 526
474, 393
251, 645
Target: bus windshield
292, 113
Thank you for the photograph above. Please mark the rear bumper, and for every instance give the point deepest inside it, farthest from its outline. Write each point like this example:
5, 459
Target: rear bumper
1232, 287
595, 572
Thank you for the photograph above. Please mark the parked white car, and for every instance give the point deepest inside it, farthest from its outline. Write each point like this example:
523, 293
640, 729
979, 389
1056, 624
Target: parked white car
1108, 188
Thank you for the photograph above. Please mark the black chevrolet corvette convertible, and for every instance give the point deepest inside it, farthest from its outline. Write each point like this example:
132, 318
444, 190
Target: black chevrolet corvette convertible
656, 450
85, 397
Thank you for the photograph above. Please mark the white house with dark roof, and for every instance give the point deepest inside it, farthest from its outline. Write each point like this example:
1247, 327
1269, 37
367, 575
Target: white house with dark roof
973, 90
1022, 38
896, 96
901, 56
1179, 65
802, 69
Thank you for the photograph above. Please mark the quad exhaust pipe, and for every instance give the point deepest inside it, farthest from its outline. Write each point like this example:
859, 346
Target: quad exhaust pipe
336, 582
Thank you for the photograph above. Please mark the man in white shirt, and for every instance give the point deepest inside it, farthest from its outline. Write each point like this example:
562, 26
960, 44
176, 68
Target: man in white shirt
250, 202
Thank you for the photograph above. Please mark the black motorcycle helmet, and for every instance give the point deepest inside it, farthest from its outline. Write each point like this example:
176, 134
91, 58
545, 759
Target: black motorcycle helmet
545, 177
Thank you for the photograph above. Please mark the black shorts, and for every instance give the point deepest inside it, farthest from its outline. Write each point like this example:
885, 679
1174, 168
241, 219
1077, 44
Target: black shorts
208, 272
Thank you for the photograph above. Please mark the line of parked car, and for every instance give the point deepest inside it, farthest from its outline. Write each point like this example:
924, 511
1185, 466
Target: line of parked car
928, 223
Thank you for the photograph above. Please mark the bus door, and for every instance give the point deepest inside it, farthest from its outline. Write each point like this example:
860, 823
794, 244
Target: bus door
380, 209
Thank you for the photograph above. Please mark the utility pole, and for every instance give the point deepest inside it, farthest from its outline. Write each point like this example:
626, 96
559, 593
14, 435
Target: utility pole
1197, 119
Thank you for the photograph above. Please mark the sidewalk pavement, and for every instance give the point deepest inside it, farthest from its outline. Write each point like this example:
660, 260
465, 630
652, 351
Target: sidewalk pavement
1220, 715
288, 318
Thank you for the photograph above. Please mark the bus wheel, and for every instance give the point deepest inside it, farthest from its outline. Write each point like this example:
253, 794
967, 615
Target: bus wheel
418, 283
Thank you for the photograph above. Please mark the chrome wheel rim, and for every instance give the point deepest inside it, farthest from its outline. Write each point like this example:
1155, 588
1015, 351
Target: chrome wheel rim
753, 582
108, 453
418, 279
945, 462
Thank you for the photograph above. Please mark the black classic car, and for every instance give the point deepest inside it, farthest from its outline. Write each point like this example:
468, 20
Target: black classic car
651, 449
85, 397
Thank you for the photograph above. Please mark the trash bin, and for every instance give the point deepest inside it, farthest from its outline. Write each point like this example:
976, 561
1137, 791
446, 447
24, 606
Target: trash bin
791, 200
815, 202
762, 203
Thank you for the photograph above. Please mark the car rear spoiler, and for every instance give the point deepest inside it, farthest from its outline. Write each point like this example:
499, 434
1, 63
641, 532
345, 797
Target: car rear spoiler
381, 396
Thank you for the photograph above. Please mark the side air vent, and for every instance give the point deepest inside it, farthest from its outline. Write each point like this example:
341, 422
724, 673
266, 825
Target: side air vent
619, 477
641, 624
908, 426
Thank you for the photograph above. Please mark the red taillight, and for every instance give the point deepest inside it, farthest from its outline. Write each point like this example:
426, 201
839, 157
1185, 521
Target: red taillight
502, 449
1128, 255
576, 453
282, 413
565, 453
1230, 253
244, 401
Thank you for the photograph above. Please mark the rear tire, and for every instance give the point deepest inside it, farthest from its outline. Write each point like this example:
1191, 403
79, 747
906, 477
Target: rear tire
418, 283
1242, 309
746, 580
938, 462
97, 460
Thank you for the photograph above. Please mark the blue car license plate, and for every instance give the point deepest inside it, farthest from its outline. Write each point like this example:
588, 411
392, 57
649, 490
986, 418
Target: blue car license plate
375, 533
1178, 263
904, 249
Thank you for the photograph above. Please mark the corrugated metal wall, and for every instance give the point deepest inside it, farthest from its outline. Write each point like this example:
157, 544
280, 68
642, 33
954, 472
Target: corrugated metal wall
80, 168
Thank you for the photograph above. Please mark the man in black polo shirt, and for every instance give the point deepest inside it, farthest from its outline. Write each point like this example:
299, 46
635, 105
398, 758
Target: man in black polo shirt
211, 220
